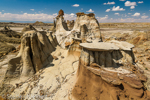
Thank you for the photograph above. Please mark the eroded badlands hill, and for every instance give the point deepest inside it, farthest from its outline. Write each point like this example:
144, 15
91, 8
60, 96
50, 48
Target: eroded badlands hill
65, 64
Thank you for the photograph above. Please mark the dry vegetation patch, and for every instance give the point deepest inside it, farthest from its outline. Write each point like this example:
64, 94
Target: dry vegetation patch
4, 38
4, 49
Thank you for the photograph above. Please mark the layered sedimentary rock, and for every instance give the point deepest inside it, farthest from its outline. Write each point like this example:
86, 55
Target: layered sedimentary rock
106, 72
28, 28
86, 25
34, 54
74, 48
70, 24
91, 23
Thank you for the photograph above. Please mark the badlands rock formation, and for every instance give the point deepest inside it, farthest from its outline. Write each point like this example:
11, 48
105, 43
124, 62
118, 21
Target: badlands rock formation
86, 25
28, 28
34, 54
77, 67
106, 72
10, 33
70, 24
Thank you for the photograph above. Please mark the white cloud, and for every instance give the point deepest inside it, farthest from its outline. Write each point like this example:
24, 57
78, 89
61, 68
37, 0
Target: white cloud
132, 7
107, 10
33, 17
72, 14
3, 10
102, 18
117, 8
129, 13
144, 17
140, 2
76, 5
90, 10
55, 14
136, 14
109, 3
32, 9
117, 14
122, 0
128, 3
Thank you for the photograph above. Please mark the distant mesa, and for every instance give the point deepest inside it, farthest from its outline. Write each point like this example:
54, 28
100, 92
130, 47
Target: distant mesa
37, 23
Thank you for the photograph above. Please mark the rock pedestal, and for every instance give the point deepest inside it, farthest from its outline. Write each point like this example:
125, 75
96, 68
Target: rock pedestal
106, 72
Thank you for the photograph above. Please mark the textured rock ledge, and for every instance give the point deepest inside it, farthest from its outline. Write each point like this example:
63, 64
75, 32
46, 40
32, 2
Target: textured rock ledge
108, 74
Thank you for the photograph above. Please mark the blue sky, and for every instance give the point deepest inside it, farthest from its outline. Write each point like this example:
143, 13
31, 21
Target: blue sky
46, 10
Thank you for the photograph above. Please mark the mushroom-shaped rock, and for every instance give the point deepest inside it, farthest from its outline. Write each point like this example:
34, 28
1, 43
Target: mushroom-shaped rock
98, 79
102, 46
123, 45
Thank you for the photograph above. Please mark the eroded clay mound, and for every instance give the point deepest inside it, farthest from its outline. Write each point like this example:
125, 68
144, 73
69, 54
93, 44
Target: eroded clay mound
108, 74
28, 28
10, 33
34, 54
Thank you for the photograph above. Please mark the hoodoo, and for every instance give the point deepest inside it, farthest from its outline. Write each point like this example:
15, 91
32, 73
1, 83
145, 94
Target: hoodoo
86, 25
106, 72
34, 54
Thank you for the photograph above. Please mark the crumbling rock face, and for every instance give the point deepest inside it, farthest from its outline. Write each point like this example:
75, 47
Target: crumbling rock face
106, 72
74, 48
10, 33
70, 24
91, 23
28, 28
34, 54
86, 25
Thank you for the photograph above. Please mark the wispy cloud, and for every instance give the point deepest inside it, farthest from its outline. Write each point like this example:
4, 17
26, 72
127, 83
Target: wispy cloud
109, 3
32, 9
76, 5
140, 2
144, 17
122, 0
117, 14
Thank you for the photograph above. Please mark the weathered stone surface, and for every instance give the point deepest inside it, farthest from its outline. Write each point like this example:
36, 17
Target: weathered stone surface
28, 28
99, 46
85, 25
10, 33
123, 45
91, 57
34, 54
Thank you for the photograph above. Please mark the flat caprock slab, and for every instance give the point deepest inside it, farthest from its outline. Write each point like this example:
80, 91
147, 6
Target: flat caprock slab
123, 45
101, 46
